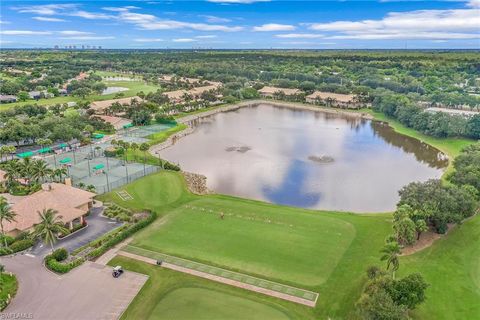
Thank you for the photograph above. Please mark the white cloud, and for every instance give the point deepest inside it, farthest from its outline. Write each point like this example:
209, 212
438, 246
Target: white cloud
300, 35
88, 38
148, 40
24, 32
473, 4
209, 36
74, 33
48, 19
214, 19
237, 1
420, 24
4, 22
46, 9
274, 27
120, 9
151, 22
184, 40
89, 15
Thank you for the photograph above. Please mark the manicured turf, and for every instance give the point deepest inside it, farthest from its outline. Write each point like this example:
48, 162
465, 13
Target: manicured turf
452, 267
169, 295
199, 303
321, 251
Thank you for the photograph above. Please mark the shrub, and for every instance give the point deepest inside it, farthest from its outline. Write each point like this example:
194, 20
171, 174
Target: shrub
5, 251
60, 254
110, 152
170, 166
59, 267
23, 235
9, 239
120, 236
21, 245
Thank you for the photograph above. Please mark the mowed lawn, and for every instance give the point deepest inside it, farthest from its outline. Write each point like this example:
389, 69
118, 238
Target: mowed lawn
452, 267
170, 295
325, 252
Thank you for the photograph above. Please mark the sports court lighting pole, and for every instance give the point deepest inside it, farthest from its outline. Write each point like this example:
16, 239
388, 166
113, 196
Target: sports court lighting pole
89, 171
108, 183
74, 158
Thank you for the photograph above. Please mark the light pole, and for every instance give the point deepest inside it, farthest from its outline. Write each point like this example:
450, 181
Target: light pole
108, 183
89, 171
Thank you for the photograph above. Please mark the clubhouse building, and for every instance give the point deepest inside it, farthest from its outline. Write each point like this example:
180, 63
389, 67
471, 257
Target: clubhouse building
71, 204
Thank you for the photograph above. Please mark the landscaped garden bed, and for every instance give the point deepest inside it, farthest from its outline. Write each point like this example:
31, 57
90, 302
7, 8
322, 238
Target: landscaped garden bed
22, 242
9, 286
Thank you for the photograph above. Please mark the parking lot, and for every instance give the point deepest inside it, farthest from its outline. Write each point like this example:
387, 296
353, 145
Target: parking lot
87, 292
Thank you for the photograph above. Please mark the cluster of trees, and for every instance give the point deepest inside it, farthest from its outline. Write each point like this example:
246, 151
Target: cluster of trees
444, 77
437, 124
27, 124
386, 298
83, 88
432, 205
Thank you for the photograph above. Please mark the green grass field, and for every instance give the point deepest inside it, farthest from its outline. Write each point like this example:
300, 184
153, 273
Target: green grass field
134, 87
173, 295
325, 252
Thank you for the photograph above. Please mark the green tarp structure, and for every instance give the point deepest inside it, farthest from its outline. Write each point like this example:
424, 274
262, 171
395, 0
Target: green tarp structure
66, 160
99, 166
63, 145
44, 150
128, 125
25, 154
98, 136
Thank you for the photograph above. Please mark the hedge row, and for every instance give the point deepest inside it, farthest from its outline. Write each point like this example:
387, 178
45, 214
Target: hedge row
59, 267
16, 246
119, 237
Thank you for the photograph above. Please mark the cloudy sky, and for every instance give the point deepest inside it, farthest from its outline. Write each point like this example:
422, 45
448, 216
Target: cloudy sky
241, 24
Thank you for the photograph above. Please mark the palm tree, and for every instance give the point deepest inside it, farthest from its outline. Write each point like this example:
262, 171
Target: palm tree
13, 170
391, 252
49, 227
40, 170
81, 185
90, 188
59, 173
6, 214
26, 168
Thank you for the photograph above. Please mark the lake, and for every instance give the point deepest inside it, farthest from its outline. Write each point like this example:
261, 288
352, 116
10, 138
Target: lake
110, 90
306, 159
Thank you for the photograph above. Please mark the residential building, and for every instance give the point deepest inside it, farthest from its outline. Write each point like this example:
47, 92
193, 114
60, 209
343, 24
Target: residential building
7, 98
100, 106
269, 92
335, 99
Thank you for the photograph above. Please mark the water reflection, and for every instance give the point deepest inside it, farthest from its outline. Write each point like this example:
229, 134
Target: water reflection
305, 159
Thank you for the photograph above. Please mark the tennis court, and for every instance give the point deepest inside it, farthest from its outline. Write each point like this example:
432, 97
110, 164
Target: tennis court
88, 165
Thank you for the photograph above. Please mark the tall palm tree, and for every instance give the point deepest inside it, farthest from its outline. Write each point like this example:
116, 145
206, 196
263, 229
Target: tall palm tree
6, 214
59, 173
27, 169
391, 251
40, 170
49, 227
13, 171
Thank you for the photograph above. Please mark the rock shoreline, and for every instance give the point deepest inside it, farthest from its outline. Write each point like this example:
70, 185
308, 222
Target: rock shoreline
196, 183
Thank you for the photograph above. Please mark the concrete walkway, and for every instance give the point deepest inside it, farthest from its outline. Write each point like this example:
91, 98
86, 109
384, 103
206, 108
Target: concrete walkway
231, 282
87, 292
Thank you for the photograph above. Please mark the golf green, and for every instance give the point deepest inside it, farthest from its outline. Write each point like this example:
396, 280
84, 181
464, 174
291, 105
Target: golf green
200, 303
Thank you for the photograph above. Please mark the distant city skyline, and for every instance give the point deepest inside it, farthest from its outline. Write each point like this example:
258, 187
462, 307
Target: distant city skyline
241, 24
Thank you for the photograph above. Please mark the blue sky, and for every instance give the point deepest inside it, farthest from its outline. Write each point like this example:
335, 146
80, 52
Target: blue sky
241, 24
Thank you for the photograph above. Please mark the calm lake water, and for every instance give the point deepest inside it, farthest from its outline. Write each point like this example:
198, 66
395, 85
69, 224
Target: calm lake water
305, 159
110, 90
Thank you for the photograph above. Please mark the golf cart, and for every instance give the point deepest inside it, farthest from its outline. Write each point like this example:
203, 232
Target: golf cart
117, 271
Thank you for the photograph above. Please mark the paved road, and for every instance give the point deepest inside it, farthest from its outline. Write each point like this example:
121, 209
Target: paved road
86, 293
97, 226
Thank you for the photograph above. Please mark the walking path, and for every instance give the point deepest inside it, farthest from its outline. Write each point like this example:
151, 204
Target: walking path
235, 279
